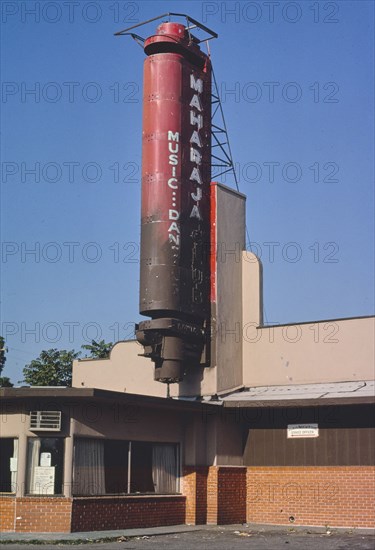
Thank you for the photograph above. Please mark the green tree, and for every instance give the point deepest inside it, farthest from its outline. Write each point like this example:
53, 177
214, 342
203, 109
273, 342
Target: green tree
52, 368
98, 350
3, 351
4, 380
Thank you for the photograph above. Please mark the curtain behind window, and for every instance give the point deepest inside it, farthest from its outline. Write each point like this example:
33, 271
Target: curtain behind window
33, 453
89, 475
13, 474
164, 468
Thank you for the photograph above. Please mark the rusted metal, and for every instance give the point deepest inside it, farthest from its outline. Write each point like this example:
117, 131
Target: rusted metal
175, 219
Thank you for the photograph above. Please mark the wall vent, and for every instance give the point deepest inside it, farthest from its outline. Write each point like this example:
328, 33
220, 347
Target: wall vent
45, 421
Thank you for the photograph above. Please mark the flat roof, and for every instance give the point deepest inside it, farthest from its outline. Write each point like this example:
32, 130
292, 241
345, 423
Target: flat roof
297, 395
333, 393
67, 393
332, 320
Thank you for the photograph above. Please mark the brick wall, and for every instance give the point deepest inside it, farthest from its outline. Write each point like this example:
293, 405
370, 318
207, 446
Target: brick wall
231, 495
43, 514
212, 495
201, 496
104, 513
215, 495
338, 496
195, 490
7, 513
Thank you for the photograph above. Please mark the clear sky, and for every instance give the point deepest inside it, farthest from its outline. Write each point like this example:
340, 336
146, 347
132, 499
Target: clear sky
297, 84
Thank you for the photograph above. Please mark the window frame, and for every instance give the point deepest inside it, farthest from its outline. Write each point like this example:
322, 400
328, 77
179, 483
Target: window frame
61, 465
130, 442
13, 484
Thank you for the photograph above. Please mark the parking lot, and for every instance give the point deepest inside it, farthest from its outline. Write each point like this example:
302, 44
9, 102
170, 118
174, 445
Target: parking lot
216, 538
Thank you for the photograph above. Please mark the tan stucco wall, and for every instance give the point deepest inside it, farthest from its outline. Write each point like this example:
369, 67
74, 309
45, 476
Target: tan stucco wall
124, 371
206, 436
321, 351
230, 241
118, 420
14, 422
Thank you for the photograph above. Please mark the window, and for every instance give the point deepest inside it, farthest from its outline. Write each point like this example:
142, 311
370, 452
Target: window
116, 466
120, 467
141, 468
8, 464
45, 464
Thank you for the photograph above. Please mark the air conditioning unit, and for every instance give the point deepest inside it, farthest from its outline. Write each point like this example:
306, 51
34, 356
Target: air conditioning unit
45, 421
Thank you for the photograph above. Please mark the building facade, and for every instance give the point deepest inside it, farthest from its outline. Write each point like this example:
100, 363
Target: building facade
264, 424
80, 459
278, 429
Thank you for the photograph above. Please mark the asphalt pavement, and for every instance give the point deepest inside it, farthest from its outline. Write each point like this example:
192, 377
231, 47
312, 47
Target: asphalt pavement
199, 538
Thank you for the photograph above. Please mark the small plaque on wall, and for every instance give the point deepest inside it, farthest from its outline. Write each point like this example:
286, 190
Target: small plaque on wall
13, 464
296, 431
45, 459
44, 480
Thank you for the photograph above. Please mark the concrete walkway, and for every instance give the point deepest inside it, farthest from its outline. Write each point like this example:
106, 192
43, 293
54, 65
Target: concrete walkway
93, 536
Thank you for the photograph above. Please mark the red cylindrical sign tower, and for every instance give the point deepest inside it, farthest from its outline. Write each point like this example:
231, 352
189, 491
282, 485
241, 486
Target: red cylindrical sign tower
176, 174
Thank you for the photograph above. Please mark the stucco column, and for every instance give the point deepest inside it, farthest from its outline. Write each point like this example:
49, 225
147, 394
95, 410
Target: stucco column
21, 465
68, 462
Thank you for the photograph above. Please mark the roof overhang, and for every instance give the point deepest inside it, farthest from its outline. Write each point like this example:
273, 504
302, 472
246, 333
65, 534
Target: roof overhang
65, 394
298, 395
303, 395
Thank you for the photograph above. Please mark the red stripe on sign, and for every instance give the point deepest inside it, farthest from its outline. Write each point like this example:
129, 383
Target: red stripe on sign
213, 264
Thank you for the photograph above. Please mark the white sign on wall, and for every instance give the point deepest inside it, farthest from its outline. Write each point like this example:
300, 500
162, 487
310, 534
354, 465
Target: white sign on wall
302, 430
45, 459
44, 480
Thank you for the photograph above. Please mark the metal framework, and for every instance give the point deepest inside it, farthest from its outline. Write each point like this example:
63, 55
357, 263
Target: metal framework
222, 160
190, 25
221, 143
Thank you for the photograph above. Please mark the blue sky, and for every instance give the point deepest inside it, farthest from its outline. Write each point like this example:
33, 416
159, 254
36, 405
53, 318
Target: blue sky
297, 85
